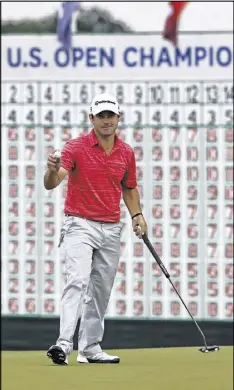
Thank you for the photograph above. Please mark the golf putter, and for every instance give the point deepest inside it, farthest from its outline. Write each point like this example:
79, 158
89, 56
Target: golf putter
204, 349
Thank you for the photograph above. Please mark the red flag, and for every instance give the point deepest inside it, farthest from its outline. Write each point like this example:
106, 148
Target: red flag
171, 25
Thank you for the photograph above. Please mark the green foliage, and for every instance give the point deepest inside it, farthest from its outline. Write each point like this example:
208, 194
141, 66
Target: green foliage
29, 26
93, 20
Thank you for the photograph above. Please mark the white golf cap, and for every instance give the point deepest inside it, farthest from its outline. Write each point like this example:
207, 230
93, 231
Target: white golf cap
104, 102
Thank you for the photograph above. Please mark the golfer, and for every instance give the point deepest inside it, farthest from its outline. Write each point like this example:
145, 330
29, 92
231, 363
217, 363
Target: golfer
100, 168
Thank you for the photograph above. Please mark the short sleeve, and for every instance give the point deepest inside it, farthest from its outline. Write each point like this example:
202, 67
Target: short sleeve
67, 157
130, 176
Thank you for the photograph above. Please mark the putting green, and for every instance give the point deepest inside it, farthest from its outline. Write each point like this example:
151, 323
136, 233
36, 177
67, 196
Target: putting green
146, 369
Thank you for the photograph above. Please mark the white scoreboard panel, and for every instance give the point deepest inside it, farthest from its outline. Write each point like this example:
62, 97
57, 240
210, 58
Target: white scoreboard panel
182, 134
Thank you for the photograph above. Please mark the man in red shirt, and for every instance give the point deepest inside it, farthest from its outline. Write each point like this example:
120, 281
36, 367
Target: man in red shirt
100, 168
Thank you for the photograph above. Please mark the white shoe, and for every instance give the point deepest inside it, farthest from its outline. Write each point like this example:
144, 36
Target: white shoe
100, 357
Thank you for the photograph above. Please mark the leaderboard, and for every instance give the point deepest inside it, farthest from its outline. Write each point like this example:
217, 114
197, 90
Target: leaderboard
182, 136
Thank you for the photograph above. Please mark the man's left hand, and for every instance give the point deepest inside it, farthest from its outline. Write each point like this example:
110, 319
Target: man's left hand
139, 226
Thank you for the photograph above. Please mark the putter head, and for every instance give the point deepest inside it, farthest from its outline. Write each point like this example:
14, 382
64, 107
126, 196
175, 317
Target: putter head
210, 349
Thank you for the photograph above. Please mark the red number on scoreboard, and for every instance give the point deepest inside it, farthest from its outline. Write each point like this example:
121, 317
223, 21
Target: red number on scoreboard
175, 308
193, 289
192, 270
175, 211
139, 154
30, 286
157, 308
12, 134
175, 250
212, 309
192, 193
49, 306
175, 153
30, 134
175, 173
13, 172
212, 211
49, 286
30, 267
212, 289
157, 173
121, 307
192, 211
212, 153
157, 153
192, 174
192, 250
138, 308
138, 269
174, 192
13, 266
157, 211
30, 305
193, 308
157, 287
13, 209
212, 270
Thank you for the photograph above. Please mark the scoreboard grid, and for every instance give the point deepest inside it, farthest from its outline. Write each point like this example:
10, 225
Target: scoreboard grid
182, 135
40, 98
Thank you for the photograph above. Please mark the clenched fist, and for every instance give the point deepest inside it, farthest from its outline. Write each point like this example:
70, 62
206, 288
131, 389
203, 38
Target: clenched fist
53, 161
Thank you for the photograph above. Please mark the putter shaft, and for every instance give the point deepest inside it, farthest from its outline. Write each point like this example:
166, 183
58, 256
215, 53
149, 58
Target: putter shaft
166, 273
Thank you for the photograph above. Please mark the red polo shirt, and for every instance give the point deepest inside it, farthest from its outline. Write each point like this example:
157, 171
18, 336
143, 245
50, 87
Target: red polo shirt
95, 179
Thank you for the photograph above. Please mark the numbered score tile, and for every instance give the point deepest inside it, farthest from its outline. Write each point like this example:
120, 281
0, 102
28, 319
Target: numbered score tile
13, 208
30, 93
12, 305
121, 91
192, 137
157, 117
101, 87
84, 93
192, 93
12, 132
137, 116
218, 92
157, 308
81, 115
157, 93
50, 115
226, 115
174, 93
13, 152
66, 114
30, 115
48, 93
30, 134
12, 115
175, 115
192, 115
66, 93
212, 115
12, 93
50, 305
137, 93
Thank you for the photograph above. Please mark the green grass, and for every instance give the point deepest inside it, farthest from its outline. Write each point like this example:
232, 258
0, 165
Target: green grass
147, 369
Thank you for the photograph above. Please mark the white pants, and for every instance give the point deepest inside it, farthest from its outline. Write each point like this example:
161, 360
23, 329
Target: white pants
91, 253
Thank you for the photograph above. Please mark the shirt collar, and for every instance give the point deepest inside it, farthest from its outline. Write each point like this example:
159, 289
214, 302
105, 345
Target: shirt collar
94, 141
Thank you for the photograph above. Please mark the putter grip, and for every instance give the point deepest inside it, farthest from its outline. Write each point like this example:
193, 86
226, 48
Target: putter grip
155, 255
